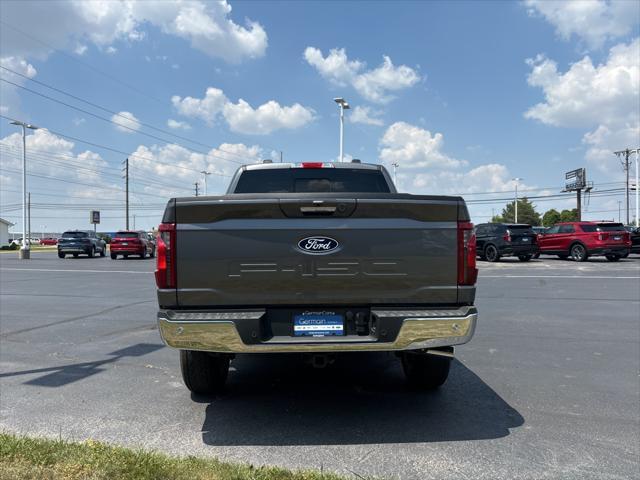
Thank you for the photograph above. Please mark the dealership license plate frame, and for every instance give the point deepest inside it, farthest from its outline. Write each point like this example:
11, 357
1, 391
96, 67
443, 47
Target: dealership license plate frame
318, 324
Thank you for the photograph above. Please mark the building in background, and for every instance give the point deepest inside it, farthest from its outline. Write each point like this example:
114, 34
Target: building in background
4, 231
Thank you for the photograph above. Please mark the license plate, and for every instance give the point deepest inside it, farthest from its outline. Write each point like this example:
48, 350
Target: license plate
318, 325
125, 243
617, 237
525, 239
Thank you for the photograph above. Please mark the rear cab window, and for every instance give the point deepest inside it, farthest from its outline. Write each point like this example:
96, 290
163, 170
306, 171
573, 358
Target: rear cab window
75, 235
602, 227
312, 180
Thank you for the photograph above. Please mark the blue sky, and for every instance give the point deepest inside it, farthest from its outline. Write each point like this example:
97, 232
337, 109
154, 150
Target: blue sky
463, 96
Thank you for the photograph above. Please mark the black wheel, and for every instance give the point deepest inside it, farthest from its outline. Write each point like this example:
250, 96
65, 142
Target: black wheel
491, 253
92, 252
536, 255
75, 255
61, 255
125, 256
204, 372
579, 253
525, 258
624, 255
143, 255
563, 257
114, 256
425, 371
103, 252
613, 258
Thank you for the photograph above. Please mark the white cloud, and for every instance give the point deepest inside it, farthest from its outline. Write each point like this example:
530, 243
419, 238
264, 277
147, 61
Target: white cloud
19, 65
604, 98
179, 165
242, 117
126, 122
80, 49
414, 147
374, 85
593, 21
78, 121
365, 115
206, 108
46, 147
206, 25
267, 118
177, 125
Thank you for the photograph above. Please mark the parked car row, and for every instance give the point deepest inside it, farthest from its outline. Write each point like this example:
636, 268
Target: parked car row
124, 243
578, 240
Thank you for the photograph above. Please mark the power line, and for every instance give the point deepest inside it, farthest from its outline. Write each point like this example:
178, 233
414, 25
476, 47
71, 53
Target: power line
115, 150
75, 97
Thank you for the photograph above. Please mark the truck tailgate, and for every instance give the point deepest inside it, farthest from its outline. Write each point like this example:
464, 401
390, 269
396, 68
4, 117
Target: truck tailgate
395, 249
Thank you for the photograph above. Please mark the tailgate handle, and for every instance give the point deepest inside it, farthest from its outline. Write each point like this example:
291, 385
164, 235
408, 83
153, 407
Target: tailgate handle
319, 210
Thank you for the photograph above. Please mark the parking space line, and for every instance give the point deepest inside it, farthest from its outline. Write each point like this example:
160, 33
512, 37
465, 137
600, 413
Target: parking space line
74, 271
556, 276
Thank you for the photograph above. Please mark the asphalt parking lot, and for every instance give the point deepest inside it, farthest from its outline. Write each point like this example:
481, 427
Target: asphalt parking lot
548, 387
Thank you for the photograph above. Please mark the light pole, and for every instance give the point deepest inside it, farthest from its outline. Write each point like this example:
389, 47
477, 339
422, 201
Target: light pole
517, 179
25, 251
343, 106
395, 173
619, 207
205, 175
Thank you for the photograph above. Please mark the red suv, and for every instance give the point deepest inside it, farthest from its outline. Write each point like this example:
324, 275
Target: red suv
127, 243
580, 240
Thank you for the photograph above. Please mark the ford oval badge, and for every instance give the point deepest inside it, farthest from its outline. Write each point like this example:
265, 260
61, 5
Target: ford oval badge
318, 245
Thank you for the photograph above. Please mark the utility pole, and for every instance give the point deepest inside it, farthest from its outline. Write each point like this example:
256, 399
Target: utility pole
24, 252
134, 221
205, 174
196, 184
126, 190
619, 204
280, 156
624, 158
343, 106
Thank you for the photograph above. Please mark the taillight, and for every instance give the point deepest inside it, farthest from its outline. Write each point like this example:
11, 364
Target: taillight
602, 236
166, 256
507, 236
467, 271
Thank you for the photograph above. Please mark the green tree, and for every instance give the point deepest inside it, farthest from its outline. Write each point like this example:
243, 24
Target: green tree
569, 215
526, 213
550, 217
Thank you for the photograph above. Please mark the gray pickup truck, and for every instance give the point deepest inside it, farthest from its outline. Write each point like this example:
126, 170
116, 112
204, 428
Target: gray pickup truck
315, 258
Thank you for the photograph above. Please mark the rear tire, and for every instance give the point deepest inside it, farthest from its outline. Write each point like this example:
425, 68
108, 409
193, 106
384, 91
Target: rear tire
491, 253
92, 252
103, 252
125, 256
203, 372
536, 255
425, 371
143, 255
61, 255
525, 258
114, 256
579, 252
75, 255
613, 258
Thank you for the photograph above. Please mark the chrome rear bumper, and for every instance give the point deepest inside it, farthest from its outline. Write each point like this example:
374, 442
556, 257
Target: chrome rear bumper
217, 332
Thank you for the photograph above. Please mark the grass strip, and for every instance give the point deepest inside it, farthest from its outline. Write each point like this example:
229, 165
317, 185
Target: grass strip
43, 459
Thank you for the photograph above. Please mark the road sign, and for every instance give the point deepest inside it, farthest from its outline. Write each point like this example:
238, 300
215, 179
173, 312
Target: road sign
575, 179
94, 217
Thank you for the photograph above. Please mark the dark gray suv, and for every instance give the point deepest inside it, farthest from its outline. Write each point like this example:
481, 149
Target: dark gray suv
495, 240
78, 242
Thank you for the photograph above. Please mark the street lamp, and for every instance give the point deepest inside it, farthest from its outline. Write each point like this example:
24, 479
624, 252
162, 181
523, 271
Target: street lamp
25, 251
517, 179
343, 106
205, 175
